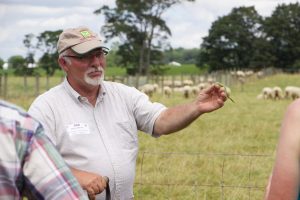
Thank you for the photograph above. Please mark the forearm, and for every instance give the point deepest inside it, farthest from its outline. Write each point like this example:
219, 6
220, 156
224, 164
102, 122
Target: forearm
77, 173
284, 183
176, 118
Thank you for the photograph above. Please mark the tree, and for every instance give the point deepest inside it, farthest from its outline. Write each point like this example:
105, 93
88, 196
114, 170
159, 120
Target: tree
231, 39
18, 64
181, 55
1, 63
141, 29
283, 31
47, 42
30, 47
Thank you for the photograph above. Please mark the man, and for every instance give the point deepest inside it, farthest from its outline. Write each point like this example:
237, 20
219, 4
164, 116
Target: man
29, 164
95, 122
284, 182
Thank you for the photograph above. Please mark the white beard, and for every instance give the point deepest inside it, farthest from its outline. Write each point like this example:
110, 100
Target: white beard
94, 81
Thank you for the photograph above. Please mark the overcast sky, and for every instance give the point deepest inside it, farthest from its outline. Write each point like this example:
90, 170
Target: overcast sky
189, 22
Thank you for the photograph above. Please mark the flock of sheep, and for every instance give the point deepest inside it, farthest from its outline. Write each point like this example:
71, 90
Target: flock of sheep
187, 88
276, 93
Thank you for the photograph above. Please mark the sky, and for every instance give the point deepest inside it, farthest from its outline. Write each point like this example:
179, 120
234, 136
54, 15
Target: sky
189, 21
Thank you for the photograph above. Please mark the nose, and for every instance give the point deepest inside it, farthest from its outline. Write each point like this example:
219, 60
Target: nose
97, 61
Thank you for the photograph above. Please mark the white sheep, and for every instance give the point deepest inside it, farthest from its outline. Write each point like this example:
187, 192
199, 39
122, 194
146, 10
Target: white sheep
292, 92
240, 73
188, 82
187, 90
195, 90
202, 86
277, 93
267, 93
167, 91
148, 89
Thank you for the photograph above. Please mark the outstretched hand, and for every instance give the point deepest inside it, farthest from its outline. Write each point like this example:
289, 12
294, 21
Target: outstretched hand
211, 99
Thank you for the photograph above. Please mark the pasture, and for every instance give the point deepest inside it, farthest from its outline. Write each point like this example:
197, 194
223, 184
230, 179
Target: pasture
227, 154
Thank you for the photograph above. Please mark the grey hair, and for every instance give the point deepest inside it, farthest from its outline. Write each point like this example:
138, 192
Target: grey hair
63, 54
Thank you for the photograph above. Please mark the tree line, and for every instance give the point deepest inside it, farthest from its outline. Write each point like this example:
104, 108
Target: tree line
242, 39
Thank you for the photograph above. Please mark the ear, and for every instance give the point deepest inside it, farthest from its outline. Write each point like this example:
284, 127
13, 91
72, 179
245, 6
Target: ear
63, 64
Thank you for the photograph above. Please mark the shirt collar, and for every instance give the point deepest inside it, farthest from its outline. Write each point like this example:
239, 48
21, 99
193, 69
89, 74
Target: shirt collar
77, 96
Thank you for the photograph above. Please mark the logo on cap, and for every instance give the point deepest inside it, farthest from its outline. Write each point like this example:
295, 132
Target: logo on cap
85, 34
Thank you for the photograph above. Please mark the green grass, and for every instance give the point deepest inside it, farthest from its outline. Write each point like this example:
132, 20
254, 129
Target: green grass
227, 154
115, 71
213, 150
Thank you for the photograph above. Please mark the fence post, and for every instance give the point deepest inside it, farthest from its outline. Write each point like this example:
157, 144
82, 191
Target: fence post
222, 180
47, 82
137, 81
5, 86
173, 83
1, 84
25, 82
37, 85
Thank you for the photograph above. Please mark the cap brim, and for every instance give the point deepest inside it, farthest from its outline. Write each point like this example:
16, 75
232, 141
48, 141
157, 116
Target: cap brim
88, 46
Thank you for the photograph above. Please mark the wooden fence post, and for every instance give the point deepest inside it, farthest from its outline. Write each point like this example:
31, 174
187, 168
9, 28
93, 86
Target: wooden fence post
37, 85
1, 84
5, 86
25, 82
47, 82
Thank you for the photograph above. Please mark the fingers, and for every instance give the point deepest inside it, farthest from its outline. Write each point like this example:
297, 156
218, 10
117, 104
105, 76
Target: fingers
91, 195
98, 185
211, 89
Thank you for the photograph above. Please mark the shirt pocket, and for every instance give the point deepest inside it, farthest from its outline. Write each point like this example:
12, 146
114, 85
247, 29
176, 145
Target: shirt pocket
128, 135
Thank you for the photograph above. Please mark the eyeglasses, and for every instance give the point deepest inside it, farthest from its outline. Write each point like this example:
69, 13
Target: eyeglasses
88, 57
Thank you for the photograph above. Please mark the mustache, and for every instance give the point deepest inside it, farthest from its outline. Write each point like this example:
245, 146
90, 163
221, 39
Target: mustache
98, 69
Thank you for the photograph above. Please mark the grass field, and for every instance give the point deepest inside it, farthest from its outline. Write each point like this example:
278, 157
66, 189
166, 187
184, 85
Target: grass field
227, 154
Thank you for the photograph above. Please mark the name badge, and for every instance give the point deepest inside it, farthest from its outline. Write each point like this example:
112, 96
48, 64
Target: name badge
78, 129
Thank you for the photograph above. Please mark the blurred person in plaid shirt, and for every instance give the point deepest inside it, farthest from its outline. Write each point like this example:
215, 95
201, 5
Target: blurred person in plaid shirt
30, 166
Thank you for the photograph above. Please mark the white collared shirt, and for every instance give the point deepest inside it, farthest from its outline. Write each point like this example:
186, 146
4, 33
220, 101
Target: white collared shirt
101, 139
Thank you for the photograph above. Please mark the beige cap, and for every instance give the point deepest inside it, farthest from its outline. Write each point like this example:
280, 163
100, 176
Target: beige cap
81, 40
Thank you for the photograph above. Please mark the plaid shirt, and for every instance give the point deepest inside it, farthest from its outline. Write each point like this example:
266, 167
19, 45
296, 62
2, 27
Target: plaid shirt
29, 164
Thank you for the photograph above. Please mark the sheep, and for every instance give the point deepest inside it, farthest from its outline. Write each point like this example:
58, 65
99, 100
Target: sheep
260, 74
187, 91
267, 93
292, 92
210, 80
195, 90
167, 91
240, 74
202, 86
167, 83
188, 82
177, 83
155, 87
148, 89
277, 93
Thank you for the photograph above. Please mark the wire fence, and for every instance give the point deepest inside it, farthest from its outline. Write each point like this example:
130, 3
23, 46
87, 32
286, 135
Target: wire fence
207, 176
182, 175
32, 86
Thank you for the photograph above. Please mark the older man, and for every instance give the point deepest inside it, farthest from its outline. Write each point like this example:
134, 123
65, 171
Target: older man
95, 122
